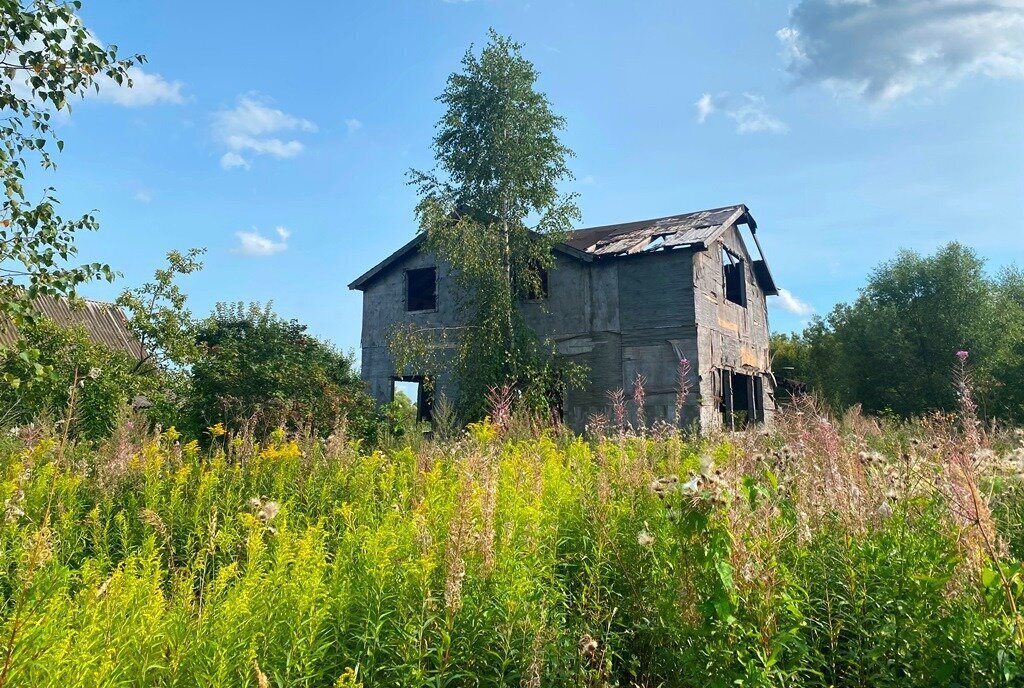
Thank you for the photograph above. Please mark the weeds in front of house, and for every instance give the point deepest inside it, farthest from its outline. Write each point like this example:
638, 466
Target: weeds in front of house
831, 552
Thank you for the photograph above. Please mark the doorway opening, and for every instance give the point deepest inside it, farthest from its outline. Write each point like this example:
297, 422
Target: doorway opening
414, 390
742, 399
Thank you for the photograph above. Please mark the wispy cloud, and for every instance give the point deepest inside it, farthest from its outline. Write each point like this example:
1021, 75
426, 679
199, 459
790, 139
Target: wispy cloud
882, 50
249, 128
143, 196
788, 302
750, 112
147, 89
255, 244
353, 125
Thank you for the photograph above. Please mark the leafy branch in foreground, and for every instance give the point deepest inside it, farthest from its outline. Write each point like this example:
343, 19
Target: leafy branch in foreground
158, 315
46, 56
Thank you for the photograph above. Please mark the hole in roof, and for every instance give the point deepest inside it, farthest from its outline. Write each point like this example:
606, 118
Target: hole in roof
655, 243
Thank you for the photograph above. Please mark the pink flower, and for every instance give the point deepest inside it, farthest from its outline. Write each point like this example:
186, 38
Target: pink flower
962, 355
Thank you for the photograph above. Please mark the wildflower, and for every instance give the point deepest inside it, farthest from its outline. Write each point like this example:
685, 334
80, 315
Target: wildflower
588, 646
261, 678
691, 486
644, 538
13, 514
172, 434
268, 511
962, 355
217, 430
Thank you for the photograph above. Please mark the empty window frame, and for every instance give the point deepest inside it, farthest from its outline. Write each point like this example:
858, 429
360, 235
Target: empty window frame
421, 289
734, 280
538, 291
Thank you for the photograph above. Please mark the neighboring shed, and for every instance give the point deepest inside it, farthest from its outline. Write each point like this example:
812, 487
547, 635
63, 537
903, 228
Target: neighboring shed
105, 323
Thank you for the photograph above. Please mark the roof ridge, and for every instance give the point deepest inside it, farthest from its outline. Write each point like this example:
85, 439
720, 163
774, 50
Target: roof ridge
655, 219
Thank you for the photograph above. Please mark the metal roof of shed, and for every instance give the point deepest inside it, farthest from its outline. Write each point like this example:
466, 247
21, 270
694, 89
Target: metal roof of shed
105, 323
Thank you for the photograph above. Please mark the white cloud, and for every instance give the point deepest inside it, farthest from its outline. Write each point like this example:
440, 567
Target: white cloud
255, 244
749, 112
143, 196
353, 125
248, 128
231, 160
705, 107
787, 302
882, 50
146, 89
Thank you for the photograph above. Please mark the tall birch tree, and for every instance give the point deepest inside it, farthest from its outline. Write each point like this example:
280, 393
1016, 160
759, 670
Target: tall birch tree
492, 211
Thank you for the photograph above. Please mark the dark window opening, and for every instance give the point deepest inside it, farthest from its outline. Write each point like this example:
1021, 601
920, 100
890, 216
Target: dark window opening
421, 289
734, 282
415, 391
538, 290
742, 399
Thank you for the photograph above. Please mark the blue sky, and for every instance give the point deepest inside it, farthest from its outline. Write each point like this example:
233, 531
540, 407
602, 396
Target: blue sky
278, 135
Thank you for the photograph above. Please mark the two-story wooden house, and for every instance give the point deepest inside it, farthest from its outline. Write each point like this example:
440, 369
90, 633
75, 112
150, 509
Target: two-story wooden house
624, 300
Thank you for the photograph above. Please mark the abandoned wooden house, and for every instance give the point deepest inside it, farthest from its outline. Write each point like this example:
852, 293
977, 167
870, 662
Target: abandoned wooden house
625, 300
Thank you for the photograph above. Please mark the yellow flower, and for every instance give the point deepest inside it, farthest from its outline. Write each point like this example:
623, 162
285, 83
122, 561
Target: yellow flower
172, 434
217, 430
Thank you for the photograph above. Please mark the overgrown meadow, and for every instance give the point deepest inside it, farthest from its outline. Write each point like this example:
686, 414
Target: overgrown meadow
831, 552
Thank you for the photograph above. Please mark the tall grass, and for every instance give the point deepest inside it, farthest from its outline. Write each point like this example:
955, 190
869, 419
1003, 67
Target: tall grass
832, 553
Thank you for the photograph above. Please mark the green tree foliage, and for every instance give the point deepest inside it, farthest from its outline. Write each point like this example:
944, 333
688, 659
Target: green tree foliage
892, 348
261, 371
69, 378
493, 212
46, 58
159, 317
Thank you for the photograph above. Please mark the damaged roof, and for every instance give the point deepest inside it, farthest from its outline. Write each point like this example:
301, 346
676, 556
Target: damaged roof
676, 231
690, 230
105, 323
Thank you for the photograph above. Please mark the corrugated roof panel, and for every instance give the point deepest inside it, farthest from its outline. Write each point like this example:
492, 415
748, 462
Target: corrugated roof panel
104, 322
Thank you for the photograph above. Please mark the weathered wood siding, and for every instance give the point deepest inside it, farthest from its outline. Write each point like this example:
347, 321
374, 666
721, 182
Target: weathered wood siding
384, 308
618, 317
730, 336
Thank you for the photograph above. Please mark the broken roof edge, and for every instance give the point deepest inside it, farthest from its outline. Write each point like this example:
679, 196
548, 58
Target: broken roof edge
740, 215
361, 282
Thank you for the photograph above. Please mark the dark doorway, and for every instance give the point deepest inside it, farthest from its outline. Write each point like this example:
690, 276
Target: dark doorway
742, 399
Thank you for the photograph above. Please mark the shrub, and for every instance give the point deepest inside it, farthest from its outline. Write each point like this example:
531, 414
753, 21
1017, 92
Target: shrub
259, 370
51, 361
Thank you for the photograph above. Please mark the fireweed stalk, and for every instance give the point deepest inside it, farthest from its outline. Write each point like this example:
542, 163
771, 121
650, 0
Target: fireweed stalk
971, 503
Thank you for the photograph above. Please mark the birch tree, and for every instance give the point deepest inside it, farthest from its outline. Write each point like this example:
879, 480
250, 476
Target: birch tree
492, 211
